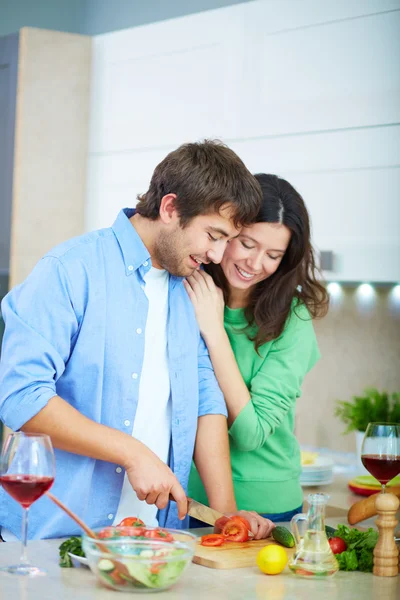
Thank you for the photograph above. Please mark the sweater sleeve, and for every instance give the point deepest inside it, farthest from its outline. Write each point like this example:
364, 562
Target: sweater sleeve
277, 384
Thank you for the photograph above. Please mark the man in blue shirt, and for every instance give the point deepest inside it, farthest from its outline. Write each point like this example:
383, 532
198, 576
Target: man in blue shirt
75, 347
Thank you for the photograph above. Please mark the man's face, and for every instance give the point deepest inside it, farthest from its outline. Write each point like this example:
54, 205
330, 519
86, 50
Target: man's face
181, 250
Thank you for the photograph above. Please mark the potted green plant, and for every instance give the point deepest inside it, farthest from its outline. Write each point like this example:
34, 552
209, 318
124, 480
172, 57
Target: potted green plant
372, 407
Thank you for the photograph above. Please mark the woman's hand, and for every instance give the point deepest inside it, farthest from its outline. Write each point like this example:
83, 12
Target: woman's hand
208, 302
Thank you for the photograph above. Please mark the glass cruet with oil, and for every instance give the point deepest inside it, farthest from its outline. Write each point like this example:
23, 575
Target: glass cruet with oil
313, 556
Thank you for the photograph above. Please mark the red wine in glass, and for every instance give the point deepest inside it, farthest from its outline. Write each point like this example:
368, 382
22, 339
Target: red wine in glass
27, 470
26, 489
380, 452
383, 468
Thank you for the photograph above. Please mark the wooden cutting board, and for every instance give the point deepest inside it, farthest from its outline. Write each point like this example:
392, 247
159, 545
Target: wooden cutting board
232, 555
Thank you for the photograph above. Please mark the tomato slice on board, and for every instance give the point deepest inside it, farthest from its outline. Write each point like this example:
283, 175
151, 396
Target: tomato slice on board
212, 539
236, 530
131, 522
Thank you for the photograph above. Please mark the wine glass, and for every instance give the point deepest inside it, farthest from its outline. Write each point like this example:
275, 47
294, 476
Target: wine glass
380, 451
27, 471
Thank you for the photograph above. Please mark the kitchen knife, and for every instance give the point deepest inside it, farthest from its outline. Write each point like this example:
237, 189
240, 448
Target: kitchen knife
201, 512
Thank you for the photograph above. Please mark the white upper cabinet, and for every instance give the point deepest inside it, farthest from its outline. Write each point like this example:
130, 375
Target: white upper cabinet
305, 89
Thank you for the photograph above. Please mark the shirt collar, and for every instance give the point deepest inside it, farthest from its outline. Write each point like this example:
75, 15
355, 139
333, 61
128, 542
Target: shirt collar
133, 250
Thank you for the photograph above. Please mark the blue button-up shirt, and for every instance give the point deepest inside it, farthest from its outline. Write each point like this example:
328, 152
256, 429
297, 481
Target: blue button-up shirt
71, 330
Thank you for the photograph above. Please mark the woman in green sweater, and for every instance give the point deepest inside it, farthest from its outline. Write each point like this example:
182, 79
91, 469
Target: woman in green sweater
255, 313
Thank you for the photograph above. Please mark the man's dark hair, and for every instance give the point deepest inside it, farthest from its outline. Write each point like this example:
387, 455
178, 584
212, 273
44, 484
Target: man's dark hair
204, 176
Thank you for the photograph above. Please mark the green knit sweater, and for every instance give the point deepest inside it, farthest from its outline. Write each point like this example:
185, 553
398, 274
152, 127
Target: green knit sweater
265, 454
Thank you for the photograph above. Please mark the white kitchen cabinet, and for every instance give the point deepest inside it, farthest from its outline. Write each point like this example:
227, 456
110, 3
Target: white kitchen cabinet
306, 89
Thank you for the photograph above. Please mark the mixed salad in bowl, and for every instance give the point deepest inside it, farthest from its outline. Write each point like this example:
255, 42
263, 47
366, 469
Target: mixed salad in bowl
132, 557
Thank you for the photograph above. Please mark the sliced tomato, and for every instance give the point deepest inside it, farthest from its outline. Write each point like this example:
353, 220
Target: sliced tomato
219, 523
212, 539
130, 531
116, 577
304, 572
158, 534
242, 519
131, 522
106, 533
156, 567
236, 530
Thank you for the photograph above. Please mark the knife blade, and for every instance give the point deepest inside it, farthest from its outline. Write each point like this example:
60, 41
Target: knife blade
202, 512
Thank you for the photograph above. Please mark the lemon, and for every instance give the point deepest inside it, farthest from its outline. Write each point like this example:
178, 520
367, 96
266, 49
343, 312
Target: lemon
272, 559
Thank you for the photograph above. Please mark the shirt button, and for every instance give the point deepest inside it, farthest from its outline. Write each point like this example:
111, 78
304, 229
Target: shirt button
110, 516
134, 375
127, 423
145, 263
118, 470
138, 330
130, 268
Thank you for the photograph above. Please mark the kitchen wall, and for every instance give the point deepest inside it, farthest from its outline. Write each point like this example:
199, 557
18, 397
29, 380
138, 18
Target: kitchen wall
306, 89
360, 346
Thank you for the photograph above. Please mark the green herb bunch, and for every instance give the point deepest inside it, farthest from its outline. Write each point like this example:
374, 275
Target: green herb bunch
373, 407
73, 545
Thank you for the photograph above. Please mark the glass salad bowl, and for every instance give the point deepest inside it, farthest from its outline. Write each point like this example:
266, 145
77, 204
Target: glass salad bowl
139, 559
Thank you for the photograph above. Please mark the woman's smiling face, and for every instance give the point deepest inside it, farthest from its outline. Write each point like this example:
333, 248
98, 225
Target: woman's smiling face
255, 255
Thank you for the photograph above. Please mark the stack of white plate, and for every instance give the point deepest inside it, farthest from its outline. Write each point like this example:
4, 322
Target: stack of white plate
320, 472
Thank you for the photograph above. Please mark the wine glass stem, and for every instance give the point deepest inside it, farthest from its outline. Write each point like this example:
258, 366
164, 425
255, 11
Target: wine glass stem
383, 487
24, 536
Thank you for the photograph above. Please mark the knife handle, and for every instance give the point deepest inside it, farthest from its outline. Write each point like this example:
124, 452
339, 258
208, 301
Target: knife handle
171, 498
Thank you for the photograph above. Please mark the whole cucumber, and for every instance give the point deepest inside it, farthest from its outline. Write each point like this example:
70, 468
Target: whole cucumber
283, 536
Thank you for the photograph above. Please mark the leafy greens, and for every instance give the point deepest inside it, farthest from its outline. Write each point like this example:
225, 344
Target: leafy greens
73, 545
360, 547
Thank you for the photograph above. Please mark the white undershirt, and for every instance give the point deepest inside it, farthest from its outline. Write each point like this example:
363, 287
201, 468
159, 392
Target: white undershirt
152, 424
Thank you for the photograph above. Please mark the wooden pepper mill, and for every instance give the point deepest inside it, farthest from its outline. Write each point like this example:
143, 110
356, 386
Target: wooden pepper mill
386, 554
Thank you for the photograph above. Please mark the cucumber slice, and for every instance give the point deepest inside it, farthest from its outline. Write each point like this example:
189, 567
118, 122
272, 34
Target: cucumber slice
106, 565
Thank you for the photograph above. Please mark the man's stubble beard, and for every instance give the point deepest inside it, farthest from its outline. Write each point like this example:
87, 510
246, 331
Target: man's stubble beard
168, 253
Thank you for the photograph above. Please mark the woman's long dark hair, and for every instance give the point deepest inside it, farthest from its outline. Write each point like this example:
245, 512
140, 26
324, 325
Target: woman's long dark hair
270, 301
